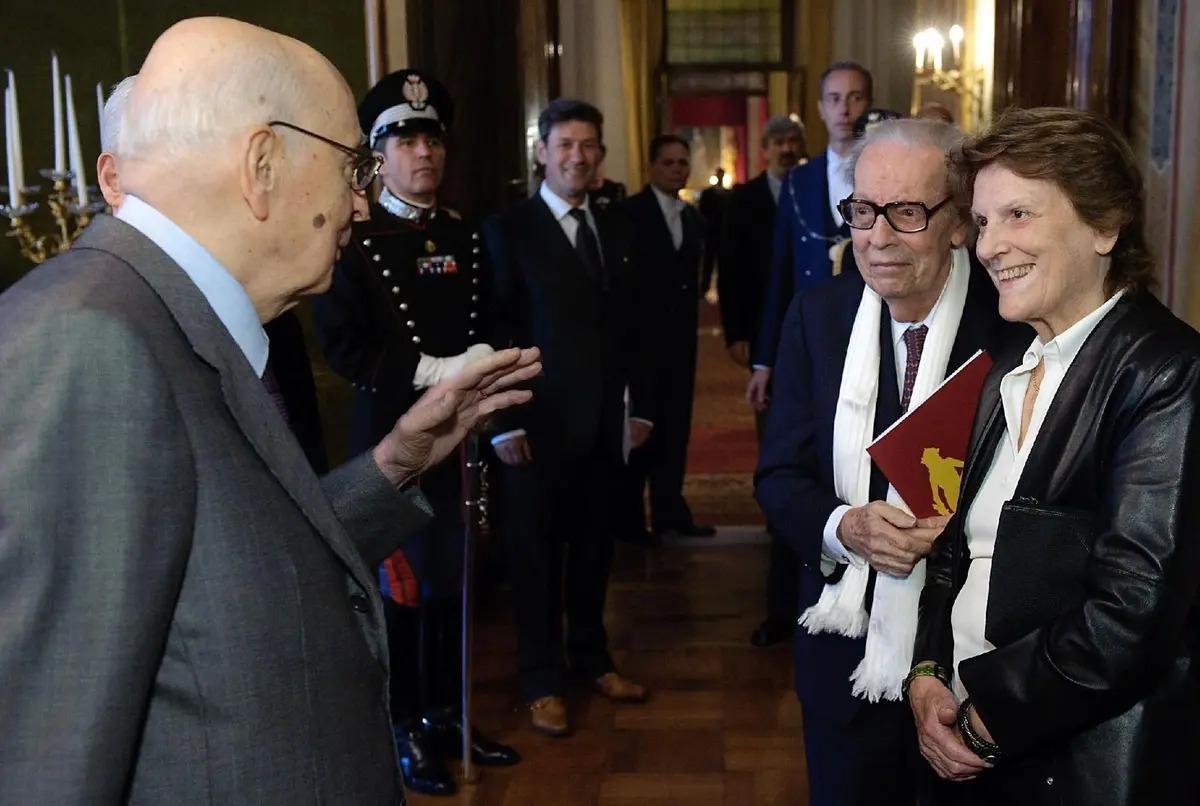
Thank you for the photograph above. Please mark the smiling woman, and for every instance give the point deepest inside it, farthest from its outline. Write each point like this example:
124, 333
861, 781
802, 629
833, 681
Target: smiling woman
1057, 616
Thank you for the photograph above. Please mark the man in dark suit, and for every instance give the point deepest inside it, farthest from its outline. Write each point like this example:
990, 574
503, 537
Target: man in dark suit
741, 285
187, 608
809, 223
669, 243
856, 352
408, 305
564, 281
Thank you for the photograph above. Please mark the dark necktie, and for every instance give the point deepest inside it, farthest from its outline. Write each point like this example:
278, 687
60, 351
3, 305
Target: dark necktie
586, 245
914, 342
272, 384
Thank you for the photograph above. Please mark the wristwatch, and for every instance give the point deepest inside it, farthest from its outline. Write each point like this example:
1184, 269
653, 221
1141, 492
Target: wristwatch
988, 751
925, 670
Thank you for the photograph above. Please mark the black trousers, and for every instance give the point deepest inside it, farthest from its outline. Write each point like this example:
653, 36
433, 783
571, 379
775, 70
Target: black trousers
783, 567
662, 461
871, 761
559, 536
424, 648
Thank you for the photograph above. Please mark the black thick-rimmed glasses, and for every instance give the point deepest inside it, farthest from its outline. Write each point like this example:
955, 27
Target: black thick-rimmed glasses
365, 166
903, 216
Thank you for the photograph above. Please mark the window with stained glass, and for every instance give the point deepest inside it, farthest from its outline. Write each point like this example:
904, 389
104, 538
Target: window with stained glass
724, 32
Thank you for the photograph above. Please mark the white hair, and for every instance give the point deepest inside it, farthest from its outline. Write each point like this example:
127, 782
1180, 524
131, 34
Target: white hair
114, 108
200, 112
911, 132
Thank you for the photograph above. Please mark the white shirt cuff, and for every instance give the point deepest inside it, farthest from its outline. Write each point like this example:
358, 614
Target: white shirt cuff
833, 547
758, 367
507, 435
641, 420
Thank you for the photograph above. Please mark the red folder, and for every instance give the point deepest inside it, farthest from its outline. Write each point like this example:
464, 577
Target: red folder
922, 453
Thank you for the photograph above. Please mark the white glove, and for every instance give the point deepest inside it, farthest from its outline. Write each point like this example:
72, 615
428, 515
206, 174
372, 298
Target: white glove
431, 371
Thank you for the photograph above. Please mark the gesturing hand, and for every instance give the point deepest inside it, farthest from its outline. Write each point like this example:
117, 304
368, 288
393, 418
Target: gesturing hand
436, 423
936, 714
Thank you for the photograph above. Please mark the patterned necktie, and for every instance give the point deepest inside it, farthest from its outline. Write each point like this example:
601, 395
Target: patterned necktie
272, 384
586, 245
914, 342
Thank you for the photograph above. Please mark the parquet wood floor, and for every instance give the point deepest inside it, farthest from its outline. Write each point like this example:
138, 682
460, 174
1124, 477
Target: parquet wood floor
722, 727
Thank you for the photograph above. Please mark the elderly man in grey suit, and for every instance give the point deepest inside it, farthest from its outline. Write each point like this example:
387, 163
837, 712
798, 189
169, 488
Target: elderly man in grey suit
186, 611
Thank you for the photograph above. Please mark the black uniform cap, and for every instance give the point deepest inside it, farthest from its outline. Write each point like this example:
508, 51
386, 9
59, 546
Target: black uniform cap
405, 102
871, 117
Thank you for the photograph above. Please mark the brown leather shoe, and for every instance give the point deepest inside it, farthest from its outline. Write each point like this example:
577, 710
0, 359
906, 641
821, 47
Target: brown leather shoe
620, 689
549, 716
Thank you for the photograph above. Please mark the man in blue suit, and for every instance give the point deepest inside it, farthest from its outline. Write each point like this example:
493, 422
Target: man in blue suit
855, 353
808, 222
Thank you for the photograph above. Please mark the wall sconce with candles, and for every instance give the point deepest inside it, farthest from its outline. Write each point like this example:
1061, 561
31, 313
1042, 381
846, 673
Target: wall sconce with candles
68, 199
931, 70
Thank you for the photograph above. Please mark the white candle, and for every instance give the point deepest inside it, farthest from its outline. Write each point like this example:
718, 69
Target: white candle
919, 47
99, 103
18, 150
10, 158
73, 144
60, 150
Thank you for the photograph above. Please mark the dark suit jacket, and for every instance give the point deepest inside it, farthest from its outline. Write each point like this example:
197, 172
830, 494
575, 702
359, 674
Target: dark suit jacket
804, 231
190, 614
586, 328
746, 259
667, 279
293, 369
1104, 697
794, 479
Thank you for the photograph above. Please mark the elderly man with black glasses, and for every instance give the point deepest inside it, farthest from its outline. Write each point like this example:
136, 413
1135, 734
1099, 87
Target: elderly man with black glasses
855, 354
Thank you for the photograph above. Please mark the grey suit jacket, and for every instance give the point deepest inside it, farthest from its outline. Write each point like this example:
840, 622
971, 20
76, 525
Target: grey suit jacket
187, 614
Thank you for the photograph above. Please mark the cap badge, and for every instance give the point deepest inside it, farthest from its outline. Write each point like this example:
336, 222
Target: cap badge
416, 92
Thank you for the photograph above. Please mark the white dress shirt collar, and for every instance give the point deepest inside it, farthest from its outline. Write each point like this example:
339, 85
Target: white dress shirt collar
560, 206
840, 187
225, 295
775, 184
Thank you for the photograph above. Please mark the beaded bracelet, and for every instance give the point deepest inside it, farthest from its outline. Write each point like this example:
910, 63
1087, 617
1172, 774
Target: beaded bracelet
988, 751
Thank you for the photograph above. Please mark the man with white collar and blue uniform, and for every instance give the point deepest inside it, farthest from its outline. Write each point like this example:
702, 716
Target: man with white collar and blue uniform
808, 223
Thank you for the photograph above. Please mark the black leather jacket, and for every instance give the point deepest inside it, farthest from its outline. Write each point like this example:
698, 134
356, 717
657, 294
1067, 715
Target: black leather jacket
1100, 705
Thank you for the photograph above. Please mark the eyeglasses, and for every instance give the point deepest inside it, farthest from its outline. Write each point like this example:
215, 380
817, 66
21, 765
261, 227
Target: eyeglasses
903, 216
365, 166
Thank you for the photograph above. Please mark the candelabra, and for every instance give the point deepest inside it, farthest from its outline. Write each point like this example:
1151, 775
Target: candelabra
69, 217
960, 79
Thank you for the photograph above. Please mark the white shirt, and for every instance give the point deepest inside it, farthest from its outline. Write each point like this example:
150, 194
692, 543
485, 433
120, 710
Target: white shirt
840, 187
999, 485
561, 208
775, 183
672, 210
225, 295
833, 546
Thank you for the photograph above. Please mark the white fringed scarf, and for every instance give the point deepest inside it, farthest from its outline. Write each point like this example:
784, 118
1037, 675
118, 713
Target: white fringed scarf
892, 628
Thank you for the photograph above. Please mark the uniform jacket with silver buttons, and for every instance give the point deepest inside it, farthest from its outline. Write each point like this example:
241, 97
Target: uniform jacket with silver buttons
1100, 706
402, 288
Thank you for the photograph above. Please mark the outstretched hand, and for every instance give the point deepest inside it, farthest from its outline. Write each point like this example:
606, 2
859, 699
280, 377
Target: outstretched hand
448, 411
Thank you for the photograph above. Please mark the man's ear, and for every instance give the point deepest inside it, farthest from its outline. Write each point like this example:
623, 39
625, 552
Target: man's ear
259, 173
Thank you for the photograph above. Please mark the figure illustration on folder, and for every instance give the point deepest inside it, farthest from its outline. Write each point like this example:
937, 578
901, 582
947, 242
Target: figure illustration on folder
922, 453
945, 475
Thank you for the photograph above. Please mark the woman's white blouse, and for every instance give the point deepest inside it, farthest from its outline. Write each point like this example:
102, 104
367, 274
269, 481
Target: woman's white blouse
1000, 483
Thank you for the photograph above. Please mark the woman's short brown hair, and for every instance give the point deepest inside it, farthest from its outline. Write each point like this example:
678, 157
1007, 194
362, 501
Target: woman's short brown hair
1088, 159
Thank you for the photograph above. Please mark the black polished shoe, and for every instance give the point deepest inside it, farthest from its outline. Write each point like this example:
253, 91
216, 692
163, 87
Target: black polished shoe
772, 632
423, 771
447, 733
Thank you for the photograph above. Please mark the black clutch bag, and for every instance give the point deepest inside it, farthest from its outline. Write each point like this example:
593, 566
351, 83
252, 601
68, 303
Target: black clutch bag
1037, 567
